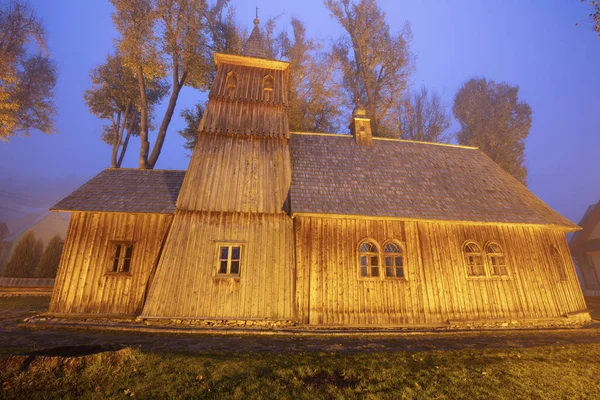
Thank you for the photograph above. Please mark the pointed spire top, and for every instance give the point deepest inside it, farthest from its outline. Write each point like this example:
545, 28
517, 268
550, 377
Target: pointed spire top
255, 45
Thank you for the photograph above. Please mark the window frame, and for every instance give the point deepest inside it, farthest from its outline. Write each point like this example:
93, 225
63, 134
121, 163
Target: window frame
218, 259
401, 254
231, 87
480, 254
369, 254
122, 244
270, 79
490, 265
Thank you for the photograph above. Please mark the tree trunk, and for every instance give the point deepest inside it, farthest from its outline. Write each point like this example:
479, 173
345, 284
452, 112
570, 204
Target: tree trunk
144, 144
166, 121
126, 141
116, 141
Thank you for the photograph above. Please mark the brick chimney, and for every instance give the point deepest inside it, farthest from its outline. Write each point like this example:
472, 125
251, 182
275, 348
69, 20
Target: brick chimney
360, 126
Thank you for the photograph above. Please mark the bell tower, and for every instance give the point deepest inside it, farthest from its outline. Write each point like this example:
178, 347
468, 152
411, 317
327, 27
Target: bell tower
231, 235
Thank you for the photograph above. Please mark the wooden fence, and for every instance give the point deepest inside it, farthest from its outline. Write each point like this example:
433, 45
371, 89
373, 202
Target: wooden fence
26, 286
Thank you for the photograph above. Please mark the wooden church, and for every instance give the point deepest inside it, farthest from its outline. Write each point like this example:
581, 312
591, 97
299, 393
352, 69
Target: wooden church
325, 229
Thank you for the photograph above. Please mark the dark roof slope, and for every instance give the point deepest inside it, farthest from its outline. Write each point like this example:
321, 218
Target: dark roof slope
331, 174
126, 190
255, 45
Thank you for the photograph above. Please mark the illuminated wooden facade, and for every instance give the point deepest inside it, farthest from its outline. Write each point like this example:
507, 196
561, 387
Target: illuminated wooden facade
312, 228
585, 247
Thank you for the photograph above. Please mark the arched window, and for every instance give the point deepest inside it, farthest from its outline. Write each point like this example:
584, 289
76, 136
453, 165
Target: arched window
268, 83
231, 82
394, 260
368, 259
559, 264
496, 259
473, 259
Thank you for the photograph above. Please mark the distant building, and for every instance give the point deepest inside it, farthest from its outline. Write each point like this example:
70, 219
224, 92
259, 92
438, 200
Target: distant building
44, 226
318, 229
585, 247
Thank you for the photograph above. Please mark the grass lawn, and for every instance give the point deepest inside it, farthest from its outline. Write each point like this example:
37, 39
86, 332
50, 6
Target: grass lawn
552, 372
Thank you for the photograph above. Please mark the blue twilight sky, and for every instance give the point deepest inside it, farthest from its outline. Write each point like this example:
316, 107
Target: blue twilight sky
532, 44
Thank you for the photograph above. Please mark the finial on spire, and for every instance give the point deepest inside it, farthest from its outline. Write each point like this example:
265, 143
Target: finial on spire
256, 20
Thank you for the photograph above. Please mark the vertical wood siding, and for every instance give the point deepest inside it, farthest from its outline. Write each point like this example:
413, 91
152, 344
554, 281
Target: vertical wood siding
243, 118
250, 84
436, 289
186, 286
248, 109
237, 174
83, 284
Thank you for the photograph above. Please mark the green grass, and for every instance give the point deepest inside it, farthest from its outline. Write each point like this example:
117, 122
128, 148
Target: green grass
552, 372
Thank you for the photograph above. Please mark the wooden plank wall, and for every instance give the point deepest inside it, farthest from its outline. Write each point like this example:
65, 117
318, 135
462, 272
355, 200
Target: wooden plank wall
185, 284
234, 173
329, 290
245, 118
250, 84
82, 283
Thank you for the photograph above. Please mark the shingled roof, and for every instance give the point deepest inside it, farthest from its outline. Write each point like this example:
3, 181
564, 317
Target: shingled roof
331, 174
255, 45
126, 190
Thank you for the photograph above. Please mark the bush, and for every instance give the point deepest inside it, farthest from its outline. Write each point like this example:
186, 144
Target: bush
48, 264
25, 257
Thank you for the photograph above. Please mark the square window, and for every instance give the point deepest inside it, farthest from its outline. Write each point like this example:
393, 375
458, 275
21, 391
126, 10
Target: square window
230, 258
121, 261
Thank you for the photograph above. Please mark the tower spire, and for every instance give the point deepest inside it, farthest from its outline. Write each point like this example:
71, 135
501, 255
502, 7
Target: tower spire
255, 45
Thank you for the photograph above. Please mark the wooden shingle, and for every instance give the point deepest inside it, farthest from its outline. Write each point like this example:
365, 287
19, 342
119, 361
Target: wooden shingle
126, 190
412, 180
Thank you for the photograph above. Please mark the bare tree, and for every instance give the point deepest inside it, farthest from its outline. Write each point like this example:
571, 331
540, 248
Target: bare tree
594, 14
374, 62
424, 117
314, 93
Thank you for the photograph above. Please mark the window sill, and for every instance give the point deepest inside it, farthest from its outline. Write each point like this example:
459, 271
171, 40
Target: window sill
121, 274
236, 277
489, 278
380, 279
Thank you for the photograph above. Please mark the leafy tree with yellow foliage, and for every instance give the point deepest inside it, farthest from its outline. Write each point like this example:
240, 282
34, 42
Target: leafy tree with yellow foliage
170, 38
492, 117
27, 75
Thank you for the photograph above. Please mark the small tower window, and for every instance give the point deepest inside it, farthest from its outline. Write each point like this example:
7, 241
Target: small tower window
394, 260
268, 83
368, 260
496, 260
231, 82
473, 259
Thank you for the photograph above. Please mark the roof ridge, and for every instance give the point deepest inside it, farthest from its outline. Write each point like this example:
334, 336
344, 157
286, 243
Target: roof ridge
460, 146
144, 169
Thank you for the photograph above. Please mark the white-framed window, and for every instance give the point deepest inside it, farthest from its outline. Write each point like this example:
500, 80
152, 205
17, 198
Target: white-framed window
473, 259
393, 258
229, 259
496, 259
368, 259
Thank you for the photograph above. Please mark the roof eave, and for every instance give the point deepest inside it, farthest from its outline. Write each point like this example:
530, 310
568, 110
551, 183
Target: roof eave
560, 227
